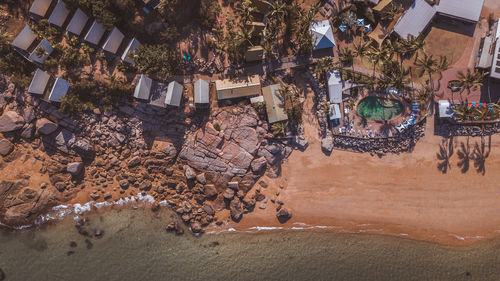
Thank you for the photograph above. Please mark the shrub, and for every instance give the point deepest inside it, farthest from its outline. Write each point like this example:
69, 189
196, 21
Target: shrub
217, 126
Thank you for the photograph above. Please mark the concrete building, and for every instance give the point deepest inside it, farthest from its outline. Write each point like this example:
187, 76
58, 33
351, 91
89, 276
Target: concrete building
201, 93
24, 39
238, 87
131, 46
39, 8
46, 47
275, 105
489, 55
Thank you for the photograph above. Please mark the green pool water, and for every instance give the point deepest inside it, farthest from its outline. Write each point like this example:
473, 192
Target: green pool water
379, 109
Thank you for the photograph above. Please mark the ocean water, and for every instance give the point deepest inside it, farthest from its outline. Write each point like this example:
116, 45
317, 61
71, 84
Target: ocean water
135, 246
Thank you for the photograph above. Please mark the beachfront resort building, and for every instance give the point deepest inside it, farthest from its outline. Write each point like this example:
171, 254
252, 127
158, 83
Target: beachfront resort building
335, 89
419, 16
241, 87
39, 83
489, 53
59, 14
275, 105
59, 90
77, 23
95, 33
201, 93
143, 87
322, 35
174, 94
39, 8
24, 39
113, 41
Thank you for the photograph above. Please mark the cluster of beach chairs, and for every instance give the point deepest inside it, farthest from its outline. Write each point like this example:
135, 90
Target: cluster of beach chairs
406, 124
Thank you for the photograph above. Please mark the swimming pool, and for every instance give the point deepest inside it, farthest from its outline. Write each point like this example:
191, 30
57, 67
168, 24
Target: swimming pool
379, 109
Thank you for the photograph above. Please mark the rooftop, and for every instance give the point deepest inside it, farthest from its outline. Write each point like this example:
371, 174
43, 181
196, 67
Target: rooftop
59, 90
77, 23
59, 14
275, 105
39, 82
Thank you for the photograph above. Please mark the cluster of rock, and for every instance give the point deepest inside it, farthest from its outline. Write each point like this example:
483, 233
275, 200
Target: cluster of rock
197, 169
449, 130
403, 142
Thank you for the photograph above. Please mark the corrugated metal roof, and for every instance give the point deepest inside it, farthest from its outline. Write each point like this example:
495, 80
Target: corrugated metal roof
40, 7
39, 82
334, 86
132, 45
59, 90
77, 22
275, 105
174, 94
464, 9
143, 87
48, 50
201, 92
24, 39
95, 33
114, 41
415, 19
59, 14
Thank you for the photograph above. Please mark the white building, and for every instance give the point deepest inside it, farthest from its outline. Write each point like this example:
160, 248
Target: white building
39, 82
77, 23
322, 35
40, 7
335, 86
59, 90
95, 33
24, 39
132, 45
174, 94
445, 110
201, 92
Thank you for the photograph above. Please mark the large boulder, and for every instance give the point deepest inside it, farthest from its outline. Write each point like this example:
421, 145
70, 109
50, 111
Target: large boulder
11, 121
83, 147
283, 215
75, 168
259, 165
29, 114
189, 173
327, 145
210, 191
45, 127
300, 143
236, 209
136, 160
6, 147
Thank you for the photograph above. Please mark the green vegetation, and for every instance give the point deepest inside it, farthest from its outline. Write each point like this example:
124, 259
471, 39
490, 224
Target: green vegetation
291, 97
278, 129
209, 13
468, 113
106, 12
13, 64
217, 126
158, 60
89, 94
75, 53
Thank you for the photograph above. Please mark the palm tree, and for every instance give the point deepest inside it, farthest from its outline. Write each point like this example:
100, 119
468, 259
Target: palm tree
322, 66
392, 11
376, 54
428, 64
277, 10
278, 129
469, 80
246, 10
361, 49
442, 65
346, 56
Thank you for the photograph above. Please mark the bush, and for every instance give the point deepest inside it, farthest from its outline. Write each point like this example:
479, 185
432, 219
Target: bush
157, 60
217, 126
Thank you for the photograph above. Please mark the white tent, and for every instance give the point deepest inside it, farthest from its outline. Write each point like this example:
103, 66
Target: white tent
77, 23
322, 35
114, 41
445, 110
59, 14
45, 44
143, 87
335, 86
201, 92
40, 7
24, 40
39, 82
59, 90
134, 44
174, 94
95, 33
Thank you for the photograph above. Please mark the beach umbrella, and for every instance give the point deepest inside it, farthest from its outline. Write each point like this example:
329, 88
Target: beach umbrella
368, 28
360, 22
343, 28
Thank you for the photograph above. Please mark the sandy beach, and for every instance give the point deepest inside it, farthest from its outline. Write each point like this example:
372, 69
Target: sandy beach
404, 195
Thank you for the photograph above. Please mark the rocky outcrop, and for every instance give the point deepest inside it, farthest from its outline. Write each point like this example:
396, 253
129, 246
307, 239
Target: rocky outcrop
6, 147
75, 168
236, 209
327, 145
45, 127
283, 215
10, 121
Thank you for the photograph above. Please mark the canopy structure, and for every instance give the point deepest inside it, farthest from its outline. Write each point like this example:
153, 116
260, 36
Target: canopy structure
143, 87
275, 105
77, 23
59, 14
113, 41
335, 86
39, 82
322, 35
47, 50
132, 45
24, 40
59, 90
445, 110
95, 33
201, 92
40, 7
174, 94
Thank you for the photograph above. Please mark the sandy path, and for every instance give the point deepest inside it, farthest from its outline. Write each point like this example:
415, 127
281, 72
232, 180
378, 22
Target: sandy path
404, 195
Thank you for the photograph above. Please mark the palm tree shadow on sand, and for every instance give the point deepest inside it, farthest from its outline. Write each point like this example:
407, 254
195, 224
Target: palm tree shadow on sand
480, 154
444, 155
464, 156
